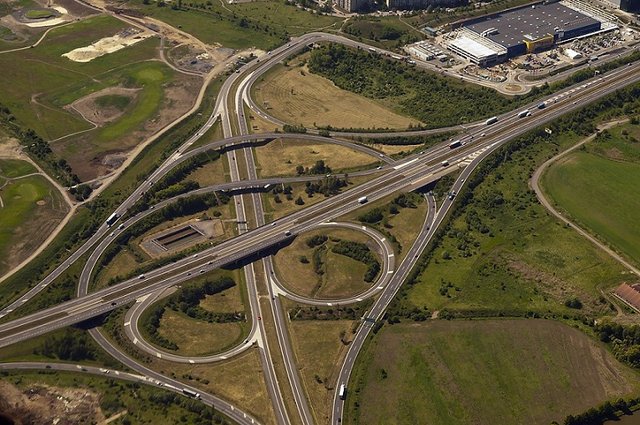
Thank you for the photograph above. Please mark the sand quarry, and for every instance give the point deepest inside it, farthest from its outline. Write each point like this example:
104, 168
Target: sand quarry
107, 45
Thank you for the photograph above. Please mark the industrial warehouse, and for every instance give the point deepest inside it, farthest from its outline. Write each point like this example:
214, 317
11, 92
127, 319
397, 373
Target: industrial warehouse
495, 38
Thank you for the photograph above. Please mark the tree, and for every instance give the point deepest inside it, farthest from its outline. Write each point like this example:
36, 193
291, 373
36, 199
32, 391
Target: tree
299, 201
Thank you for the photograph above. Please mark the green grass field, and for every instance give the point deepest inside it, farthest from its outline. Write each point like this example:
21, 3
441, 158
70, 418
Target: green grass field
505, 253
39, 14
48, 72
483, 372
388, 31
113, 101
39, 94
12, 168
198, 338
599, 188
264, 24
30, 209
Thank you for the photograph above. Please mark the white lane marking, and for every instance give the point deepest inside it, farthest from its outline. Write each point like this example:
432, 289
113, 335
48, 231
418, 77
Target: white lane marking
399, 166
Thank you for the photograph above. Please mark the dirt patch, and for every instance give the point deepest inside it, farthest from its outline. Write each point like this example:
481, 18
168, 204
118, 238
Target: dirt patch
76, 9
10, 148
615, 154
192, 58
108, 45
40, 405
91, 111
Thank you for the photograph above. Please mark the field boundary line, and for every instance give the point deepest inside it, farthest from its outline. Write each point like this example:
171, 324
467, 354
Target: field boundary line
72, 209
534, 183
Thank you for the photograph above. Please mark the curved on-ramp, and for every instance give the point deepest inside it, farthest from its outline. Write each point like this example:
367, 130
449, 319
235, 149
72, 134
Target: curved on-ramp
134, 313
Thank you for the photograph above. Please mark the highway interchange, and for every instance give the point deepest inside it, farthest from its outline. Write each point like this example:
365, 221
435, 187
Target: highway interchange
256, 237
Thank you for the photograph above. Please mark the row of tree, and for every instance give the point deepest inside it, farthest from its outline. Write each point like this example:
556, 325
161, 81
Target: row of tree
38, 148
187, 300
419, 94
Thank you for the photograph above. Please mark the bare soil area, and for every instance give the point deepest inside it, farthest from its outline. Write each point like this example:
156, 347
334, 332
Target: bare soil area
44, 405
108, 45
90, 110
10, 148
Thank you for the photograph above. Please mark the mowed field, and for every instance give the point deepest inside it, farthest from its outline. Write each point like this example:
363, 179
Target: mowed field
281, 157
600, 189
484, 372
30, 208
294, 95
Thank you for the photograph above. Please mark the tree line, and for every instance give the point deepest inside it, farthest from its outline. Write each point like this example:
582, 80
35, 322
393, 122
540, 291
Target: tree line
418, 94
359, 252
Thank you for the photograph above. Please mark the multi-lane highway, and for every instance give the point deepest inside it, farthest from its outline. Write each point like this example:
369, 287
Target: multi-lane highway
407, 174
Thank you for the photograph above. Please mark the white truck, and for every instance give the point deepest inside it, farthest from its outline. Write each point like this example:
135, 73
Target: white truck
362, 200
523, 114
190, 393
342, 393
491, 120
112, 219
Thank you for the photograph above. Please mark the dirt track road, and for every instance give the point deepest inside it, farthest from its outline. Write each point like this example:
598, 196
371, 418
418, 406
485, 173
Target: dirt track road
534, 183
